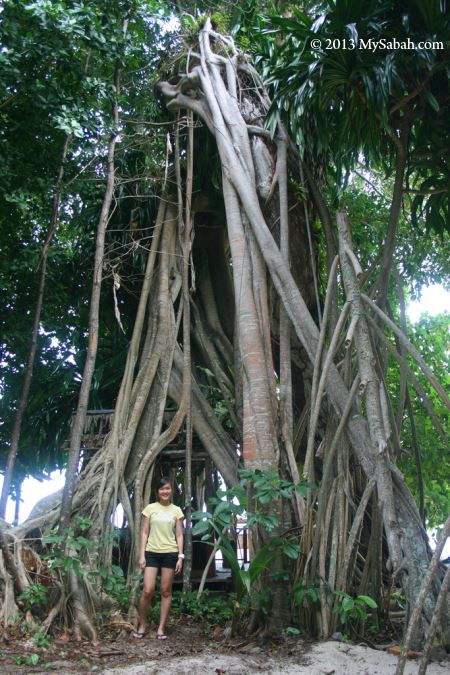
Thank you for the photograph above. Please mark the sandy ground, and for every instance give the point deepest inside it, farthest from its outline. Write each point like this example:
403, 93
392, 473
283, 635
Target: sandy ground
326, 658
193, 648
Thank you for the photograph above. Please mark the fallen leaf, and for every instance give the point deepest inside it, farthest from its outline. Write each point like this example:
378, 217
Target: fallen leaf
120, 622
414, 655
396, 651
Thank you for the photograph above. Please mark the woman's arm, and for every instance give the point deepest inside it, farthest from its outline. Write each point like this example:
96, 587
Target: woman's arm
144, 538
179, 538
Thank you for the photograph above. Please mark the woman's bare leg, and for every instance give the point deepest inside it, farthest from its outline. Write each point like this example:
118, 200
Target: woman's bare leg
150, 574
167, 575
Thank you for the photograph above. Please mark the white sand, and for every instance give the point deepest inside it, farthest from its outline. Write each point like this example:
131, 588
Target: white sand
325, 658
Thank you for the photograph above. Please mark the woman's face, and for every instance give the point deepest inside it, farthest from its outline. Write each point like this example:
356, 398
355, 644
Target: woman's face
165, 492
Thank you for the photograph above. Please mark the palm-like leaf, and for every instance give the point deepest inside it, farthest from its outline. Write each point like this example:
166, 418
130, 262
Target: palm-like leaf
344, 98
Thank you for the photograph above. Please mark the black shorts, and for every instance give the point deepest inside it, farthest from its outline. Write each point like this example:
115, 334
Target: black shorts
159, 560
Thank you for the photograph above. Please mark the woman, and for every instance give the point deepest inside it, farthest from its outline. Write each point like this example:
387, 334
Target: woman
161, 548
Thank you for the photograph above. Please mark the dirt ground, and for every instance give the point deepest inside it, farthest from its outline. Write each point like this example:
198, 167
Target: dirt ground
192, 649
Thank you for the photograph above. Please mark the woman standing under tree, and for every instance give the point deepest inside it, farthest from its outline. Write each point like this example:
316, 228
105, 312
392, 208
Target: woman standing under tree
161, 548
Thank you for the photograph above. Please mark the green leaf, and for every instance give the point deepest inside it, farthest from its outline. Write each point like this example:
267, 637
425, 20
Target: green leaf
348, 604
58, 562
220, 508
199, 515
200, 528
260, 562
370, 602
206, 537
432, 100
230, 555
291, 550
246, 580
291, 630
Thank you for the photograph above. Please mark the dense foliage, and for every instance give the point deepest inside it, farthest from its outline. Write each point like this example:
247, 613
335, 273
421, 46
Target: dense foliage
350, 86
58, 63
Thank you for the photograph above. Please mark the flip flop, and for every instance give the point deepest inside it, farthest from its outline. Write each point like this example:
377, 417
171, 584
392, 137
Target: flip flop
138, 634
161, 636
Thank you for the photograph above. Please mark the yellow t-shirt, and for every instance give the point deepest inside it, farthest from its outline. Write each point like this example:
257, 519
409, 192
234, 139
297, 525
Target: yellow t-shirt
162, 524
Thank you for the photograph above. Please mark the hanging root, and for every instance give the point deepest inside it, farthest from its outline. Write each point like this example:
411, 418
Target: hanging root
79, 600
9, 611
363, 438
360, 490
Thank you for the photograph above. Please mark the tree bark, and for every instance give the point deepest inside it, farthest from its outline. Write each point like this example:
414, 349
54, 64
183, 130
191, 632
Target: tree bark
83, 397
185, 234
371, 384
425, 589
217, 108
401, 144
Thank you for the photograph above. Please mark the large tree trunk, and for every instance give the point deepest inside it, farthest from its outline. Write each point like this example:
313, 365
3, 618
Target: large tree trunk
232, 335
217, 106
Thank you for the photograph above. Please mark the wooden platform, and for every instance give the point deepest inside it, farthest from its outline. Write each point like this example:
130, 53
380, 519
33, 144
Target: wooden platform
222, 581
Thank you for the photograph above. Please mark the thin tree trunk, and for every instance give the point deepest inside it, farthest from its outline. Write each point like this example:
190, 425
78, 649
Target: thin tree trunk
311, 250
10, 565
185, 230
206, 425
382, 283
17, 504
416, 613
418, 457
440, 603
403, 378
370, 381
83, 398
285, 334
18, 417
325, 217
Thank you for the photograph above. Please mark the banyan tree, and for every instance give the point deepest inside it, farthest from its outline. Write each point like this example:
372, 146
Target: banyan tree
230, 302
